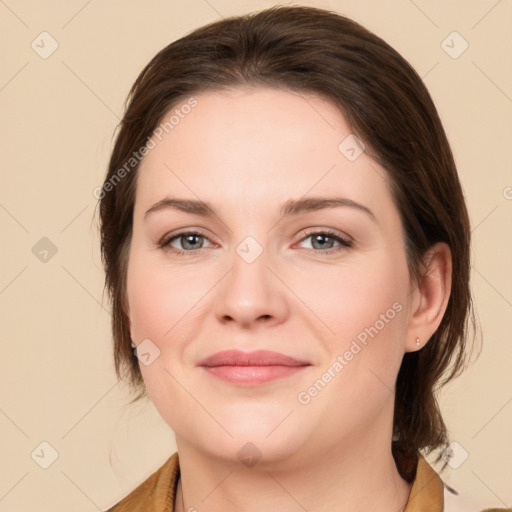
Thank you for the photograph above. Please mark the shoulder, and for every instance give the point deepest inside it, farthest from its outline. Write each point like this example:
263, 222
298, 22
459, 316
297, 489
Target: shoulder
157, 492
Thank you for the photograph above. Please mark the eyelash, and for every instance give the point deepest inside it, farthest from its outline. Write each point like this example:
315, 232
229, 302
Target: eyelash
344, 243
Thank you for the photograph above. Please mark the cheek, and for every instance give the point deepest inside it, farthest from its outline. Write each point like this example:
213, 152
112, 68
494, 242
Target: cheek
158, 313
158, 299
147, 305
359, 297
366, 309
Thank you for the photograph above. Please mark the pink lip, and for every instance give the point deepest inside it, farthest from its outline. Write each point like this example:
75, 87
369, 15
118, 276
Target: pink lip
251, 368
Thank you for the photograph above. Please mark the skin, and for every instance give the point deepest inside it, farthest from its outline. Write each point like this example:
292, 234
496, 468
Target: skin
247, 151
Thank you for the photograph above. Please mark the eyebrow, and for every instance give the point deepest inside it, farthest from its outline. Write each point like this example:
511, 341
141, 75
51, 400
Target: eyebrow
290, 208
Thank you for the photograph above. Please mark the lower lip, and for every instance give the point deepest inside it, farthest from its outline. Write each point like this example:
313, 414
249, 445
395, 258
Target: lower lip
252, 375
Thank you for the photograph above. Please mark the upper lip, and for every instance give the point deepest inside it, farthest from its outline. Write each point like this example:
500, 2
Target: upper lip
256, 358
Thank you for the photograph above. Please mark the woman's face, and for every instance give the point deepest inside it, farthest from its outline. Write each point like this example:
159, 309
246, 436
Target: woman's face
271, 266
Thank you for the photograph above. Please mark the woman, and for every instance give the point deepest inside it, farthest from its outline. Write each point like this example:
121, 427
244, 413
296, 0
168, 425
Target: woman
286, 246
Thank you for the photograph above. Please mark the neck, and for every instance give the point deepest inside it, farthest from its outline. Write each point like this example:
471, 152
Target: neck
351, 477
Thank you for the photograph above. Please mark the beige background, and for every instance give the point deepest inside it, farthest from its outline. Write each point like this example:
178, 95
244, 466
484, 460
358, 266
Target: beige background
58, 115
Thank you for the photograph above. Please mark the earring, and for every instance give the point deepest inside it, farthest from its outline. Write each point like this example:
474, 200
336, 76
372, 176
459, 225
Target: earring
418, 342
133, 345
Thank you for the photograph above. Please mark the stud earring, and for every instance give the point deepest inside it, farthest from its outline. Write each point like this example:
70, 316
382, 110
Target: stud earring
418, 342
133, 345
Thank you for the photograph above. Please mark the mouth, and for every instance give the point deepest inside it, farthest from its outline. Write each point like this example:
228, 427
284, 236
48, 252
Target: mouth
251, 368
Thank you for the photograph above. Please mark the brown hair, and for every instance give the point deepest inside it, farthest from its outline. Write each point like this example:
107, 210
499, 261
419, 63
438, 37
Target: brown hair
386, 104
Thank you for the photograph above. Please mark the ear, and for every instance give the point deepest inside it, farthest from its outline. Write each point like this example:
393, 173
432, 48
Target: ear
430, 298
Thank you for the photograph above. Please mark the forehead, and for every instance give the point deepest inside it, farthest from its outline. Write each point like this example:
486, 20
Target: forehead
250, 147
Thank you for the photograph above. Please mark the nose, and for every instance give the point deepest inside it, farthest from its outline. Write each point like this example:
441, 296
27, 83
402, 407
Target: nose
250, 294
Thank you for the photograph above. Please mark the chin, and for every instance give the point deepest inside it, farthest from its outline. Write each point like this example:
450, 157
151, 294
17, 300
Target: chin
265, 441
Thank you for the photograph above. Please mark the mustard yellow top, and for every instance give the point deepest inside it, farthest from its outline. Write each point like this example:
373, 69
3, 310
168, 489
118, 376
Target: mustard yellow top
158, 492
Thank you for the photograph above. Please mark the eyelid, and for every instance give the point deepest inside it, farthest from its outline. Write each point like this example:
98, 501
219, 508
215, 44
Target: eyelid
328, 231
166, 239
345, 242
